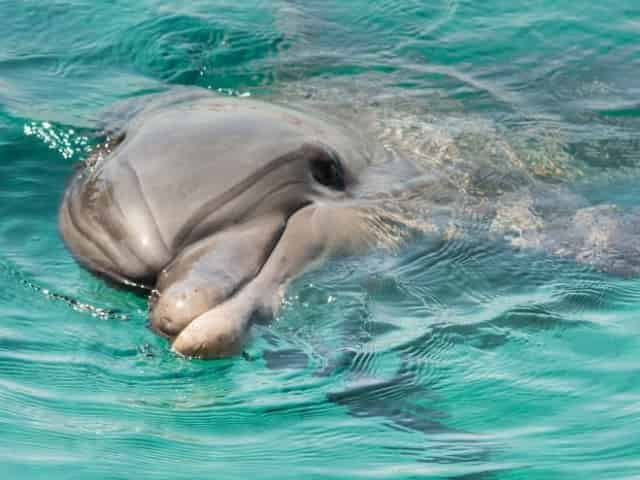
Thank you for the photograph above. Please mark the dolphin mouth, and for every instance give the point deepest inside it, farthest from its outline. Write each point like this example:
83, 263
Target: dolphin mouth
218, 277
303, 240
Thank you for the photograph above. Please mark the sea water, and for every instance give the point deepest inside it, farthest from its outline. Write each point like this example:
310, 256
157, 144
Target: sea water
469, 360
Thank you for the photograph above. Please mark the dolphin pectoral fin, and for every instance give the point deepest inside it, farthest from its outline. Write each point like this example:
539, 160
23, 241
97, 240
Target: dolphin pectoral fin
210, 271
311, 234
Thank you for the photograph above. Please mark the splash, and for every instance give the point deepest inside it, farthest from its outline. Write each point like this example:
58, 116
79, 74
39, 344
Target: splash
66, 141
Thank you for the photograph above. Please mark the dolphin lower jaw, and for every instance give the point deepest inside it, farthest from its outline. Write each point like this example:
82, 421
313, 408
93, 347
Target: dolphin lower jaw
221, 331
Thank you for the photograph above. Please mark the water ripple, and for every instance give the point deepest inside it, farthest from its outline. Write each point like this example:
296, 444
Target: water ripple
466, 356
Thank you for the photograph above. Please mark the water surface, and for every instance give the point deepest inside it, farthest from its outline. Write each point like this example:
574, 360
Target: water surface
467, 359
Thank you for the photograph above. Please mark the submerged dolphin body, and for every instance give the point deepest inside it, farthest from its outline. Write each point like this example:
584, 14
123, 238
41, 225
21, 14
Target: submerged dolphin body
217, 203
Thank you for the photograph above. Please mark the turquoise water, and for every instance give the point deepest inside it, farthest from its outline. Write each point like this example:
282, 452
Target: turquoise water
471, 360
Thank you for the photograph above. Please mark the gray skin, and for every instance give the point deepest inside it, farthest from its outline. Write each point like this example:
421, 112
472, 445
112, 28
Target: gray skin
218, 203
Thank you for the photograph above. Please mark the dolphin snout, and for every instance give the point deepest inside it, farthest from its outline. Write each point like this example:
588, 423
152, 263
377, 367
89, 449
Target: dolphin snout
179, 305
223, 330
311, 233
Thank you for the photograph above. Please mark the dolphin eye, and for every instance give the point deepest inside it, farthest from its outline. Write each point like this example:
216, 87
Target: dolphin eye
327, 170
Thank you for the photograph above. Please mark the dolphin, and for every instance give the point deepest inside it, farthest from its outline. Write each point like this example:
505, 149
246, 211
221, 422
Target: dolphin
216, 203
